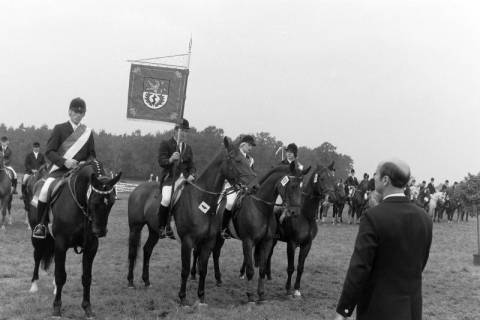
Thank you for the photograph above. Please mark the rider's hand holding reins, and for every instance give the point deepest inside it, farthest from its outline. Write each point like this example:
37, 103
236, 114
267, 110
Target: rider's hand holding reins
71, 163
175, 156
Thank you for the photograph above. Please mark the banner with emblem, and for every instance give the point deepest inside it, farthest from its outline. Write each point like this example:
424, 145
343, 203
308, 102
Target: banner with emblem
157, 93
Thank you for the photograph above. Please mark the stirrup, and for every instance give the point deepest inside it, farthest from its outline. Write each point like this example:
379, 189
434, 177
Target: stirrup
40, 231
162, 233
169, 233
226, 234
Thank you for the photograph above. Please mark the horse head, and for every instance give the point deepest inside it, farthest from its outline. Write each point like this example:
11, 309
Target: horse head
234, 168
100, 195
322, 182
289, 188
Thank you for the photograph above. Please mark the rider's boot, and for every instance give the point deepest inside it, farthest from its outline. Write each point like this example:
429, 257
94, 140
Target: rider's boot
40, 230
162, 221
14, 186
227, 215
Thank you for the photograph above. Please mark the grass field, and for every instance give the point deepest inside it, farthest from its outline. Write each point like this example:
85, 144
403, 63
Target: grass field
451, 282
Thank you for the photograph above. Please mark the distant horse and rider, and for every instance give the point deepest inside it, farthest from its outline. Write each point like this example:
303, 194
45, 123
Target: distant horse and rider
6, 193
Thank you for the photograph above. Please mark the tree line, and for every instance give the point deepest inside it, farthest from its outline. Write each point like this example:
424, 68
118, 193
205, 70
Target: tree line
136, 154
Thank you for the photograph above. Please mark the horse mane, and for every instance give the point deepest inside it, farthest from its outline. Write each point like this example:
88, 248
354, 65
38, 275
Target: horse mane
212, 162
276, 169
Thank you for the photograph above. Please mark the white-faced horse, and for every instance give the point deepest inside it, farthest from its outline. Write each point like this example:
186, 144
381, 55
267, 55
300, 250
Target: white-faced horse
436, 201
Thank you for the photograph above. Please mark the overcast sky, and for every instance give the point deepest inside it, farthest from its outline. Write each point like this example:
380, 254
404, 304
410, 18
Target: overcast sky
375, 78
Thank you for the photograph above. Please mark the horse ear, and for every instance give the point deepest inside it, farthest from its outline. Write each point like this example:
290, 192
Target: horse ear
114, 181
305, 171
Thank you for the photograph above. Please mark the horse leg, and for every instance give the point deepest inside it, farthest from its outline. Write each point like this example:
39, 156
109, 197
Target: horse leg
37, 257
216, 260
248, 261
302, 256
133, 243
60, 275
186, 257
147, 253
89, 253
291, 265
268, 270
193, 270
266, 247
203, 256
242, 269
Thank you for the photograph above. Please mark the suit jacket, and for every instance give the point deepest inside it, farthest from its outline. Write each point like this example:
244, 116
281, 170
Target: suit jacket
185, 165
33, 163
60, 133
7, 155
384, 279
431, 188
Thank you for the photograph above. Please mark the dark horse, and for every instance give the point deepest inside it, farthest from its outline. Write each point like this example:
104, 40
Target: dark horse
300, 230
338, 203
195, 228
80, 216
358, 203
255, 223
5, 193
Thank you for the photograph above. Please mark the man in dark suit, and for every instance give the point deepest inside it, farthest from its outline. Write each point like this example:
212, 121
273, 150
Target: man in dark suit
70, 143
176, 160
431, 186
384, 279
247, 142
33, 161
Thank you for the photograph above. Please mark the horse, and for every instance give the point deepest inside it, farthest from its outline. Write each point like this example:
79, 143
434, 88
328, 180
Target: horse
339, 202
40, 174
451, 204
300, 230
435, 205
194, 218
255, 224
80, 215
5, 194
358, 203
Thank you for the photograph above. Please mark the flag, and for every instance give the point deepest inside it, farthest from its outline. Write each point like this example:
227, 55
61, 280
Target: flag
156, 93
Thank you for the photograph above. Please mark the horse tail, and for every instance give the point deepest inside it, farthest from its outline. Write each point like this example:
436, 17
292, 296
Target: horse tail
45, 249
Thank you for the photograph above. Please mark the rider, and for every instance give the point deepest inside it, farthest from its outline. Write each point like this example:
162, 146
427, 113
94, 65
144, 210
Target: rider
291, 152
7, 158
431, 186
176, 159
247, 142
33, 161
70, 143
351, 183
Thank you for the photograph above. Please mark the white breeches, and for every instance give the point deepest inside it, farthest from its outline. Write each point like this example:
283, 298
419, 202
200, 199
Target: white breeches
13, 171
230, 197
25, 177
167, 191
44, 191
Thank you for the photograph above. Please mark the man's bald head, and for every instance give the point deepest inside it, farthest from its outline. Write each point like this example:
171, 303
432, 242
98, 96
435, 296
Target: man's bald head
397, 170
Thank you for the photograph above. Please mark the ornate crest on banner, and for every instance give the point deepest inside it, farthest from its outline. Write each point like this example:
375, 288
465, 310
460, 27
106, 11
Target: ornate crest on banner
155, 92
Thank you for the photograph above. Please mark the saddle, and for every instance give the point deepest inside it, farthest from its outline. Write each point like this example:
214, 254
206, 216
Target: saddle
53, 191
9, 173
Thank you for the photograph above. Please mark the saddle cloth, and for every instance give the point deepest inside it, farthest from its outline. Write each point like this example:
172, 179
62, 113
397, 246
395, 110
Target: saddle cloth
53, 191
9, 173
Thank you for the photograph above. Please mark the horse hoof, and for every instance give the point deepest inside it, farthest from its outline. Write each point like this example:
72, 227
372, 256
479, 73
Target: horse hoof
297, 294
56, 313
269, 277
202, 305
242, 276
193, 277
34, 287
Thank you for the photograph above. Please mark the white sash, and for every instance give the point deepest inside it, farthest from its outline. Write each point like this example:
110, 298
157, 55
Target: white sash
73, 150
